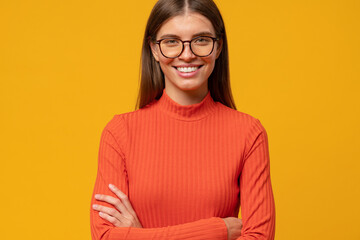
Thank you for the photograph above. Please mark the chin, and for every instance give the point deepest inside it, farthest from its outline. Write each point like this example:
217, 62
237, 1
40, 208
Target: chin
189, 87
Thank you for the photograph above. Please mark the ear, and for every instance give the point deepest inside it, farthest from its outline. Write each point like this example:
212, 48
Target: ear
154, 50
219, 47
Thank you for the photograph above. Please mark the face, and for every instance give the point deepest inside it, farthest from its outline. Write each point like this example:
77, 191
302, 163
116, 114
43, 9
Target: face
187, 72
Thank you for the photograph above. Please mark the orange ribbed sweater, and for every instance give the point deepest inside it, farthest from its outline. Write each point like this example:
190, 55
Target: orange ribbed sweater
183, 168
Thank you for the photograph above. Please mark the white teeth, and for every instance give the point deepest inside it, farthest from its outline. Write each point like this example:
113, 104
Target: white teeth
187, 69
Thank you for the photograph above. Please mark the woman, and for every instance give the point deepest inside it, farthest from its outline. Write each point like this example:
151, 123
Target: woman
181, 165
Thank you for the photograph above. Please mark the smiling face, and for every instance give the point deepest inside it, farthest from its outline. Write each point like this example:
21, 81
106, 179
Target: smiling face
187, 72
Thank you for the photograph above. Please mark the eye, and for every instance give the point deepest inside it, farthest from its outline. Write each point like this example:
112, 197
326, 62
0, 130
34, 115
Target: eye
202, 40
171, 42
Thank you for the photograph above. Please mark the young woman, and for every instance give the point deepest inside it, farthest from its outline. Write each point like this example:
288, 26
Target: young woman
181, 165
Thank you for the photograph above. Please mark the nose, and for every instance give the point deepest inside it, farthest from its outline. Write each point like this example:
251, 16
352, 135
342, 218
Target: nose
187, 54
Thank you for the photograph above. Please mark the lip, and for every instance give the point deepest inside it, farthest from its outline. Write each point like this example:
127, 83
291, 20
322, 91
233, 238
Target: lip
188, 74
188, 65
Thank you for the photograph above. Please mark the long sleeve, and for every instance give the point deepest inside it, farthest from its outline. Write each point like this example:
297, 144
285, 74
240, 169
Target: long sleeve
112, 169
256, 196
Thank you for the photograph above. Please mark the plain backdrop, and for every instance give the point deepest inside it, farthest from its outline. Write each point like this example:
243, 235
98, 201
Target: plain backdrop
66, 67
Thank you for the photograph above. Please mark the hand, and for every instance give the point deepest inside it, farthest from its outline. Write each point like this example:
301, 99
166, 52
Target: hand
123, 215
234, 226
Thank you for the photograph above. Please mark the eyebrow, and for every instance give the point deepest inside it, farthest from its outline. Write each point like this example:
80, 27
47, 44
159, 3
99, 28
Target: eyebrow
195, 35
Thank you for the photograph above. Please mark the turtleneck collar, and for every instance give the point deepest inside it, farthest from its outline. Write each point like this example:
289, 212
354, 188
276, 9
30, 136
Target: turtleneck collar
186, 112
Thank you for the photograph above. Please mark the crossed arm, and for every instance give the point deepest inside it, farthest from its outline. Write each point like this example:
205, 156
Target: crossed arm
115, 219
117, 210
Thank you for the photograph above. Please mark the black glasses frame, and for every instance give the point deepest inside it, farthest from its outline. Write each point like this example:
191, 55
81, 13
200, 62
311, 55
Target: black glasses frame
189, 41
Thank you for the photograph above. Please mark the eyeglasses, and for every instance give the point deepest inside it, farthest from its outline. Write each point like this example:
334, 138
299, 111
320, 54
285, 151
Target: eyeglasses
201, 46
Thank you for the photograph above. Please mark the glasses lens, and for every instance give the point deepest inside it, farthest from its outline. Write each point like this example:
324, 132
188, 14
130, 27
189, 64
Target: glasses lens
202, 46
171, 47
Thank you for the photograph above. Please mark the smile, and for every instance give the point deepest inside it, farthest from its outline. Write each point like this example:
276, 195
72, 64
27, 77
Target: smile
187, 69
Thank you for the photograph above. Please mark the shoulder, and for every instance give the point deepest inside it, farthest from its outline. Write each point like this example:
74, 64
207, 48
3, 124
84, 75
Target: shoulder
117, 128
120, 121
245, 126
241, 119
120, 125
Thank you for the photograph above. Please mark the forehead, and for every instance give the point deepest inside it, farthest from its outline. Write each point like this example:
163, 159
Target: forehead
186, 25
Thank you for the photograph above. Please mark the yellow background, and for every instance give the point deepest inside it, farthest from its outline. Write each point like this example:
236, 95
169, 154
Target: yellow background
66, 67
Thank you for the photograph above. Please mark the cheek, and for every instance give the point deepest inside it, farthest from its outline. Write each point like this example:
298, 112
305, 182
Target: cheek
210, 61
210, 64
165, 62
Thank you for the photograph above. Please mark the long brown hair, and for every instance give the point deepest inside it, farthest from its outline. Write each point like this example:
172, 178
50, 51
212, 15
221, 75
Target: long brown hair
152, 80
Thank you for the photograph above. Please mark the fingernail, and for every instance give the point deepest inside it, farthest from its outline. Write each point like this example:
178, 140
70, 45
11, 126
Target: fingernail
111, 186
95, 206
97, 196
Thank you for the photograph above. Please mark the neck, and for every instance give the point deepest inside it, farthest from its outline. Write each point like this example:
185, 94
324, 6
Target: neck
186, 97
191, 112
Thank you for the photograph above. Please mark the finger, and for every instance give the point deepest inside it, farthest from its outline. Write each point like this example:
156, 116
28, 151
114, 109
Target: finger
113, 201
109, 211
107, 198
124, 198
110, 219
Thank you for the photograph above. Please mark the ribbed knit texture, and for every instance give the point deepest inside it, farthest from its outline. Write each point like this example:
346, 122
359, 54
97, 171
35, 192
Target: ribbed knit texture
184, 168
